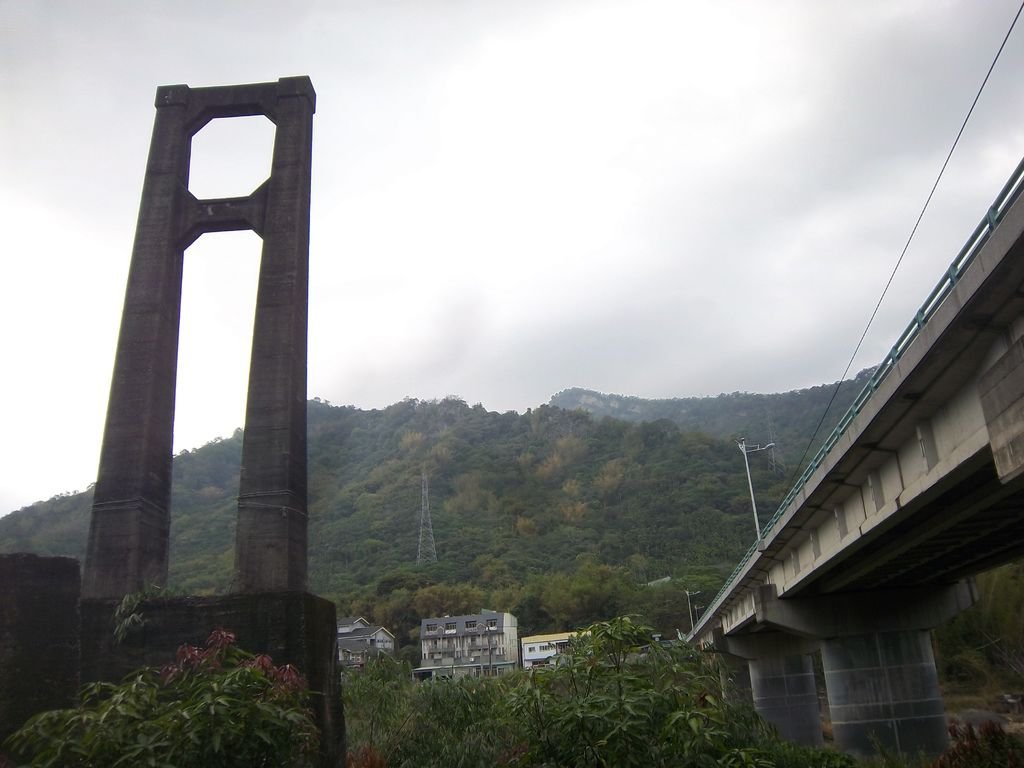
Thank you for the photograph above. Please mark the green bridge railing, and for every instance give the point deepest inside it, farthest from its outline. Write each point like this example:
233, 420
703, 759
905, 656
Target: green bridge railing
1006, 198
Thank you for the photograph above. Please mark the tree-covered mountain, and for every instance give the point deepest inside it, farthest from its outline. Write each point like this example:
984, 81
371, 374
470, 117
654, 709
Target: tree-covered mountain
787, 418
557, 514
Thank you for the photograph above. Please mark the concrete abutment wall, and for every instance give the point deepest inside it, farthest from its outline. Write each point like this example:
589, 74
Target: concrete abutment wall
39, 639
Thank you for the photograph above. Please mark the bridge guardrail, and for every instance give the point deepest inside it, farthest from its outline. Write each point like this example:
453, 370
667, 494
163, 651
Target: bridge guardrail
1007, 196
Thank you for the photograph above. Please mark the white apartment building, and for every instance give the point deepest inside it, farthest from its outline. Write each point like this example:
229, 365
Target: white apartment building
538, 650
483, 644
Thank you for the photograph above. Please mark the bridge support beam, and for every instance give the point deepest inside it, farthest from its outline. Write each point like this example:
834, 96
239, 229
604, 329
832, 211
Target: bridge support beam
883, 691
880, 676
786, 696
782, 683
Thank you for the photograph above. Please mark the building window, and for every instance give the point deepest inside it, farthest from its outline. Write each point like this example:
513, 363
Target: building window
431, 628
471, 624
449, 627
492, 623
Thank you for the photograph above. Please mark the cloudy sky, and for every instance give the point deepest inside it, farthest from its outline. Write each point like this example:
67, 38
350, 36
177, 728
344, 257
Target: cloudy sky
654, 197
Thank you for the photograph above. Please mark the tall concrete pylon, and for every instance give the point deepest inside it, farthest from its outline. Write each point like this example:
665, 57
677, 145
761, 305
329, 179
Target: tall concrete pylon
130, 526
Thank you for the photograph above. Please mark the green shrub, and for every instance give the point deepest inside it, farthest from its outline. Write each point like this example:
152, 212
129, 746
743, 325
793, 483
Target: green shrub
392, 721
619, 698
783, 754
215, 706
378, 707
463, 723
988, 746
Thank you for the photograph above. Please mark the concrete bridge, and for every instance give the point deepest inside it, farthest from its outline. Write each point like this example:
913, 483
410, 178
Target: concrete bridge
920, 487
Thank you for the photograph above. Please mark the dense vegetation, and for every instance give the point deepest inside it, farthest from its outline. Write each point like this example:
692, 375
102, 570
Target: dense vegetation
554, 514
619, 698
789, 419
982, 649
562, 517
211, 706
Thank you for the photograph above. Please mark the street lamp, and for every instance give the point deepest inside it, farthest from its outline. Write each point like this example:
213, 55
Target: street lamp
742, 445
689, 608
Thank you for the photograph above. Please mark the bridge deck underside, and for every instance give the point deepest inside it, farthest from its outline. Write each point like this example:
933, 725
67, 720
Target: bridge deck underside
976, 524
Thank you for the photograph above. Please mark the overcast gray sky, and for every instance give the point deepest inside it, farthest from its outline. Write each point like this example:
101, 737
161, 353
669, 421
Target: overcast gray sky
654, 197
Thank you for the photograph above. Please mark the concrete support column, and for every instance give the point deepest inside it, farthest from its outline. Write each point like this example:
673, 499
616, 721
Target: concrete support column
270, 540
735, 678
786, 696
883, 691
130, 528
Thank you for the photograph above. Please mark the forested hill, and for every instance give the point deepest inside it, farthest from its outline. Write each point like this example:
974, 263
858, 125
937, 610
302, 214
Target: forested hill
788, 418
556, 514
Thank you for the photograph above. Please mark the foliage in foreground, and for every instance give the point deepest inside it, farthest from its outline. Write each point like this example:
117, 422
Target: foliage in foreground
392, 721
990, 745
618, 699
982, 649
214, 706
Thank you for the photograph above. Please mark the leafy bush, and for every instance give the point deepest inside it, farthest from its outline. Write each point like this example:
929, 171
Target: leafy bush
214, 706
392, 721
783, 754
378, 706
462, 722
620, 699
988, 746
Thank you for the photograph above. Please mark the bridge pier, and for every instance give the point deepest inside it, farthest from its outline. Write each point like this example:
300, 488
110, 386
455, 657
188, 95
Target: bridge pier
782, 683
786, 696
735, 678
880, 676
883, 692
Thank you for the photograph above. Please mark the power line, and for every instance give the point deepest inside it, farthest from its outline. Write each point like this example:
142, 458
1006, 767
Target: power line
910, 239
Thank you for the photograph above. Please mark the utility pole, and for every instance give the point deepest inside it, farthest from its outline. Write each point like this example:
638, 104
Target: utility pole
490, 653
425, 552
777, 465
689, 608
742, 445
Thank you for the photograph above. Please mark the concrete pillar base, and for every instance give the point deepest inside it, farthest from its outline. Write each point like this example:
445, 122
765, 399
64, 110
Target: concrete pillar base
786, 696
38, 637
883, 692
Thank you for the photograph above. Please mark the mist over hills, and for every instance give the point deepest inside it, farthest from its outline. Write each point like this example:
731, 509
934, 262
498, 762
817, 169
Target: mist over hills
788, 419
601, 491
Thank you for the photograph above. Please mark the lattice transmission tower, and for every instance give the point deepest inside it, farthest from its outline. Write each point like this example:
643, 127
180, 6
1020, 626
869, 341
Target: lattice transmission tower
778, 466
425, 552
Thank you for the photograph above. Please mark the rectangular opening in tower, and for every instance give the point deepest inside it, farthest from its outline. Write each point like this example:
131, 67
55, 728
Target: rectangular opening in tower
215, 344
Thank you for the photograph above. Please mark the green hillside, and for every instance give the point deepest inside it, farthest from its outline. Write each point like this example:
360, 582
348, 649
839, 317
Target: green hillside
787, 418
560, 516
557, 514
